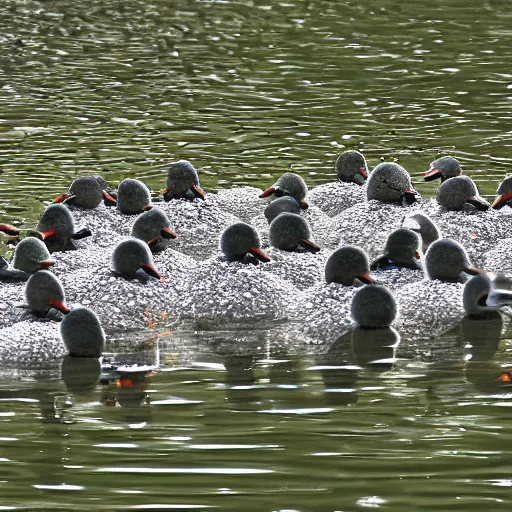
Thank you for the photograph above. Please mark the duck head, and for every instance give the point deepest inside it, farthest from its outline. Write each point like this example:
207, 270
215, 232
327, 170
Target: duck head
351, 167
85, 192
444, 168
402, 250
31, 255
43, 292
240, 239
289, 184
82, 334
460, 193
132, 259
390, 183
424, 226
182, 182
133, 197
347, 265
447, 260
154, 228
285, 204
291, 232
373, 307
504, 194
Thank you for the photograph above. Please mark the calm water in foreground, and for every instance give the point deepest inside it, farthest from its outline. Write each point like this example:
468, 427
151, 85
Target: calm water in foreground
247, 90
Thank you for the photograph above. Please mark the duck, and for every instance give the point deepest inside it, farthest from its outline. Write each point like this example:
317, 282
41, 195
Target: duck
373, 307
291, 232
132, 259
390, 183
56, 227
82, 333
289, 184
86, 192
403, 250
504, 194
285, 204
182, 182
445, 167
347, 264
352, 172
154, 228
31, 255
422, 224
44, 292
133, 197
241, 240
460, 193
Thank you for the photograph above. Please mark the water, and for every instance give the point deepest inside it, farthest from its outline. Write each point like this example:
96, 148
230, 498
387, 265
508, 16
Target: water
248, 90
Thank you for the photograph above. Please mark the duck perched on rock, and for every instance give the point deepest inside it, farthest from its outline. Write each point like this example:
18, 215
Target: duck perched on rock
86, 192
444, 168
402, 250
133, 197
154, 228
44, 292
82, 333
422, 224
56, 227
291, 232
241, 240
460, 193
289, 184
132, 259
182, 182
31, 255
504, 194
390, 183
373, 307
285, 204
348, 264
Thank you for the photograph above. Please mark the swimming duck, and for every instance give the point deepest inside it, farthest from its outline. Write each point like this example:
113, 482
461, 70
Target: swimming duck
460, 193
390, 183
31, 255
182, 182
285, 204
82, 333
291, 232
86, 192
373, 307
504, 194
289, 184
153, 227
402, 250
444, 168
133, 197
422, 224
240, 240
56, 227
44, 292
132, 259
346, 265
332, 198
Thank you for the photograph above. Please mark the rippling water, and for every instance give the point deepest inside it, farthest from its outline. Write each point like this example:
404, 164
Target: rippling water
247, 90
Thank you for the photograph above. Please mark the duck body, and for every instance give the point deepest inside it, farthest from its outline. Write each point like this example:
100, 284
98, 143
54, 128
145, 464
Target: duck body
402, 250
85, 192
154, 228
289, 184
82, 334
31, 255
182, 182
44, 292
133, 197
460, 194
390, 183
444, 168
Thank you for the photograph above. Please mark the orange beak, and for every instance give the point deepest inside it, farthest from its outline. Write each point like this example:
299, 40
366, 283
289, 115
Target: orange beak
46, 263
59, 305
9, 230
61, 198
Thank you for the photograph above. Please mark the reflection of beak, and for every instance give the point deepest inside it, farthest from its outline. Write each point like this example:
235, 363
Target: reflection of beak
309, 245
59, 305
167, 233
505, 377
151, 271
431, 174
503, 198
268, 192
479, 203
259, 254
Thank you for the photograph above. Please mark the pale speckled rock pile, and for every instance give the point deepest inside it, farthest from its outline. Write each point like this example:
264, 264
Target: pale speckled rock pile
335, 197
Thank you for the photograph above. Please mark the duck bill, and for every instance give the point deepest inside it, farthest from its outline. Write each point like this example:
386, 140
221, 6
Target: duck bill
303, 205
500, 201
200, 194
61, 198
9, 230
363, 172
151, 271
167, 233
417, 255
148, 207
60, 306
366, 278
108, 199
411, 196
46, 234
431, 174
259, 254
309, 245
267, 193
479, 203
472, 271
46, 264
